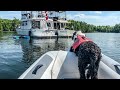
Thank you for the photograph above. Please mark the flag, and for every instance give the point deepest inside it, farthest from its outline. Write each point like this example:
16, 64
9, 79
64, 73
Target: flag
46, 16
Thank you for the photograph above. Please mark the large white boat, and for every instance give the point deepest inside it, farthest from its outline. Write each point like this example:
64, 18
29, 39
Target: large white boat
43, 24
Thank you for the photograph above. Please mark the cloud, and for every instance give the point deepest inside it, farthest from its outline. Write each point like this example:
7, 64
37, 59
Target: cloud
95, 19
69, 16
98, 12
90, 17
10, 14
80, 15
83, 16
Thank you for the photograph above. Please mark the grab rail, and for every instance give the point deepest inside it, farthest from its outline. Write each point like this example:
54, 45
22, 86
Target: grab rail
36, 68
117, 68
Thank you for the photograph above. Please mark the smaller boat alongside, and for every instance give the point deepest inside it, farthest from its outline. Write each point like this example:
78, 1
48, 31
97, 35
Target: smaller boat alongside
18, 37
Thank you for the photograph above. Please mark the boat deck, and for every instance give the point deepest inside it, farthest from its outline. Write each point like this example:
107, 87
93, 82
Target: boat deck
69, 69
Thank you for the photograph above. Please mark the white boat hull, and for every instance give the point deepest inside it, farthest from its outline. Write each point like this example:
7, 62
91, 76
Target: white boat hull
64, 65
23, 32
44, 33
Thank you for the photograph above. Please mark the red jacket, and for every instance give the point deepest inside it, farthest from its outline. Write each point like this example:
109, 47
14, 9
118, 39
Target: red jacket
79, 41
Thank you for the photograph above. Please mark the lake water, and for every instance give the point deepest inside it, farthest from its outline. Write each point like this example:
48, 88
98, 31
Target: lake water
16, 55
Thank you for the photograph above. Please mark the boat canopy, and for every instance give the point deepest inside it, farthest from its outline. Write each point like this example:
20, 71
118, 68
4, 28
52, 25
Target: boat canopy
63, 21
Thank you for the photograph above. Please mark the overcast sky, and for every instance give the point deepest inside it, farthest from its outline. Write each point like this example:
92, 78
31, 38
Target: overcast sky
91, 17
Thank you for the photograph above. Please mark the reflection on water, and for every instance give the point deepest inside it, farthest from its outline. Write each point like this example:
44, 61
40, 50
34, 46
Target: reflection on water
16, 55
34, 48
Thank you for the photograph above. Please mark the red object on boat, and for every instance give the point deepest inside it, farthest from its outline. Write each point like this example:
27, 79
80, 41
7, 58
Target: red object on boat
46, 16
79, 41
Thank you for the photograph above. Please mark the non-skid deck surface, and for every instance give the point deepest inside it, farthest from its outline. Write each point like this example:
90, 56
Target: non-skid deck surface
69, 69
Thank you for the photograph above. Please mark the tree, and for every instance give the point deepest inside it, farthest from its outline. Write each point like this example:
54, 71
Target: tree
1, 27
116, 28
15, 24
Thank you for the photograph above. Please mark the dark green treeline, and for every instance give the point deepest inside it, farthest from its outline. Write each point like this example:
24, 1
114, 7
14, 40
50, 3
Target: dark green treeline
84, 27
9, 25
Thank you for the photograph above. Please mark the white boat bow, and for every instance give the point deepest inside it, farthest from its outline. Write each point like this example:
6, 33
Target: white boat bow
64, 65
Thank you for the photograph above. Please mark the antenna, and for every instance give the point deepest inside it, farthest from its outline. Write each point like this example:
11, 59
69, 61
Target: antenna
65, 16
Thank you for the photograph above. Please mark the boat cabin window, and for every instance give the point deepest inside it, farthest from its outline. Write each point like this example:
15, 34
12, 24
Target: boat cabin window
24, 16
36, 24
55, 26
49, 24
58, 25
62, 25
28, 15
24, 23
39, 15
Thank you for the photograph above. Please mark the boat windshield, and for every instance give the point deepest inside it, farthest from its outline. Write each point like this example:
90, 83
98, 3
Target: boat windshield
36, 24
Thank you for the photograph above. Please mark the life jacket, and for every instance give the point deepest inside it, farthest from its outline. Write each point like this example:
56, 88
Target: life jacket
79, 41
